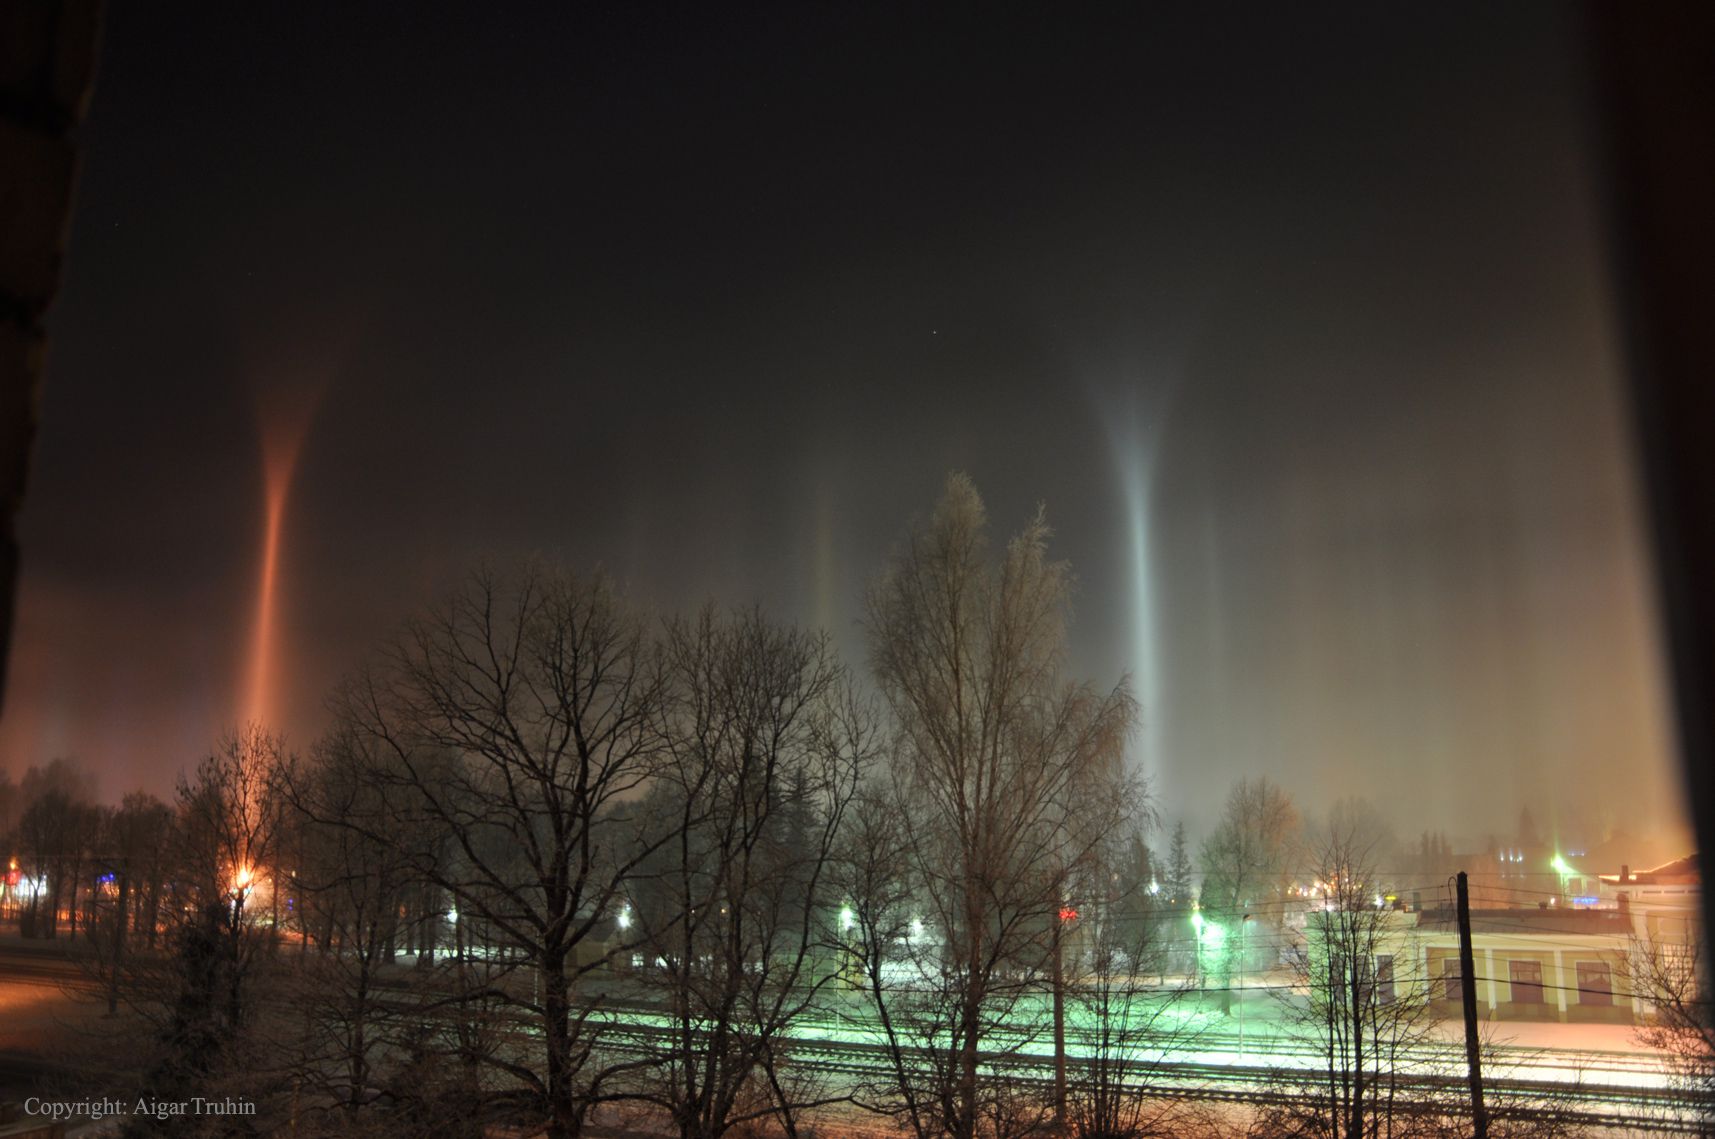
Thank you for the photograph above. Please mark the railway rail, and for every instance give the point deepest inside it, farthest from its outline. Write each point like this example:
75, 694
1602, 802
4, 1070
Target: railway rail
1609, 1089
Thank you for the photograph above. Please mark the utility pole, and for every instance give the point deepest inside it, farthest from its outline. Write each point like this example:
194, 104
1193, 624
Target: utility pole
1066, 913
1238, 980
1468, 993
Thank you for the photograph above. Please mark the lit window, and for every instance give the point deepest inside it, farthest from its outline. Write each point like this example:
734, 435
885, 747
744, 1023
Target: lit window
1595, 983
1526, 978
1452, 982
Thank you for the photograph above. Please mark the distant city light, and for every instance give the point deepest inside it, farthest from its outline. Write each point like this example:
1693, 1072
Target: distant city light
847, 918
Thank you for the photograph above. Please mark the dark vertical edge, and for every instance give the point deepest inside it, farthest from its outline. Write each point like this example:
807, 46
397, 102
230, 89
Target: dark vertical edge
1654, 66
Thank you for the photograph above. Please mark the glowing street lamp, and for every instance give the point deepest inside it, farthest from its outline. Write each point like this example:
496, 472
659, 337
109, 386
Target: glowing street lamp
1565, 870
1209, 938
847, 918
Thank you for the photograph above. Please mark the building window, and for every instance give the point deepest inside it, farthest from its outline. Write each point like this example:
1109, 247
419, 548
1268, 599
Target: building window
1452, 983
1526, 978
1595, 983
1384, 979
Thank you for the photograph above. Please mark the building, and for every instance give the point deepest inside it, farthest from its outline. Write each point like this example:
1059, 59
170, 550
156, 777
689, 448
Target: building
1574, 954
1663, 903
1559, 964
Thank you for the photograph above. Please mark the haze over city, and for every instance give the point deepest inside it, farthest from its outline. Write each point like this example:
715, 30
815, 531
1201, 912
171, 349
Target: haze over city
1321, 393
864, 571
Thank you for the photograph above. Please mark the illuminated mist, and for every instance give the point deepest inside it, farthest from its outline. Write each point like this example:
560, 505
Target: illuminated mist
1134, 439
285, 423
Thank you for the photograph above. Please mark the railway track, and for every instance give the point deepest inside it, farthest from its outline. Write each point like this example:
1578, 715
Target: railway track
1609, 1089
1621, 1106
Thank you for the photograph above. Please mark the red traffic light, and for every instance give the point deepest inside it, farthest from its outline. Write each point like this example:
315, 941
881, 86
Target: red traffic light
1068, 913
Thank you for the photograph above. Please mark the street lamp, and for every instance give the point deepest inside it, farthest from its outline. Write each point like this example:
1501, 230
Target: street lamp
1565, 870
458, 933
1211, 938
1244, 925
1211, 935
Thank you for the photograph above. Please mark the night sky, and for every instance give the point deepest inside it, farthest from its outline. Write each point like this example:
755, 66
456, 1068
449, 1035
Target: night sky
1295, 318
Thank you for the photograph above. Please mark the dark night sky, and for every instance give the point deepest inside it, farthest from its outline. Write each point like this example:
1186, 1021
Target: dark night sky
1294, 318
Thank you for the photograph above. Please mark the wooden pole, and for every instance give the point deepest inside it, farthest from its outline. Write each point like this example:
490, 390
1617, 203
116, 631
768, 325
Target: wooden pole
1468, 994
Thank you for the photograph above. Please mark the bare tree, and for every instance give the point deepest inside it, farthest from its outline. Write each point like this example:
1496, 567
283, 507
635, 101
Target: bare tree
75, 887
230, 826
1004, 776
519, 721
206, 998
764, 742
1673, 977
56, 826
1247, 864
348, 885
1368, 1021
43, 831
63, 774
131, 856
11, 805
1129, 1028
